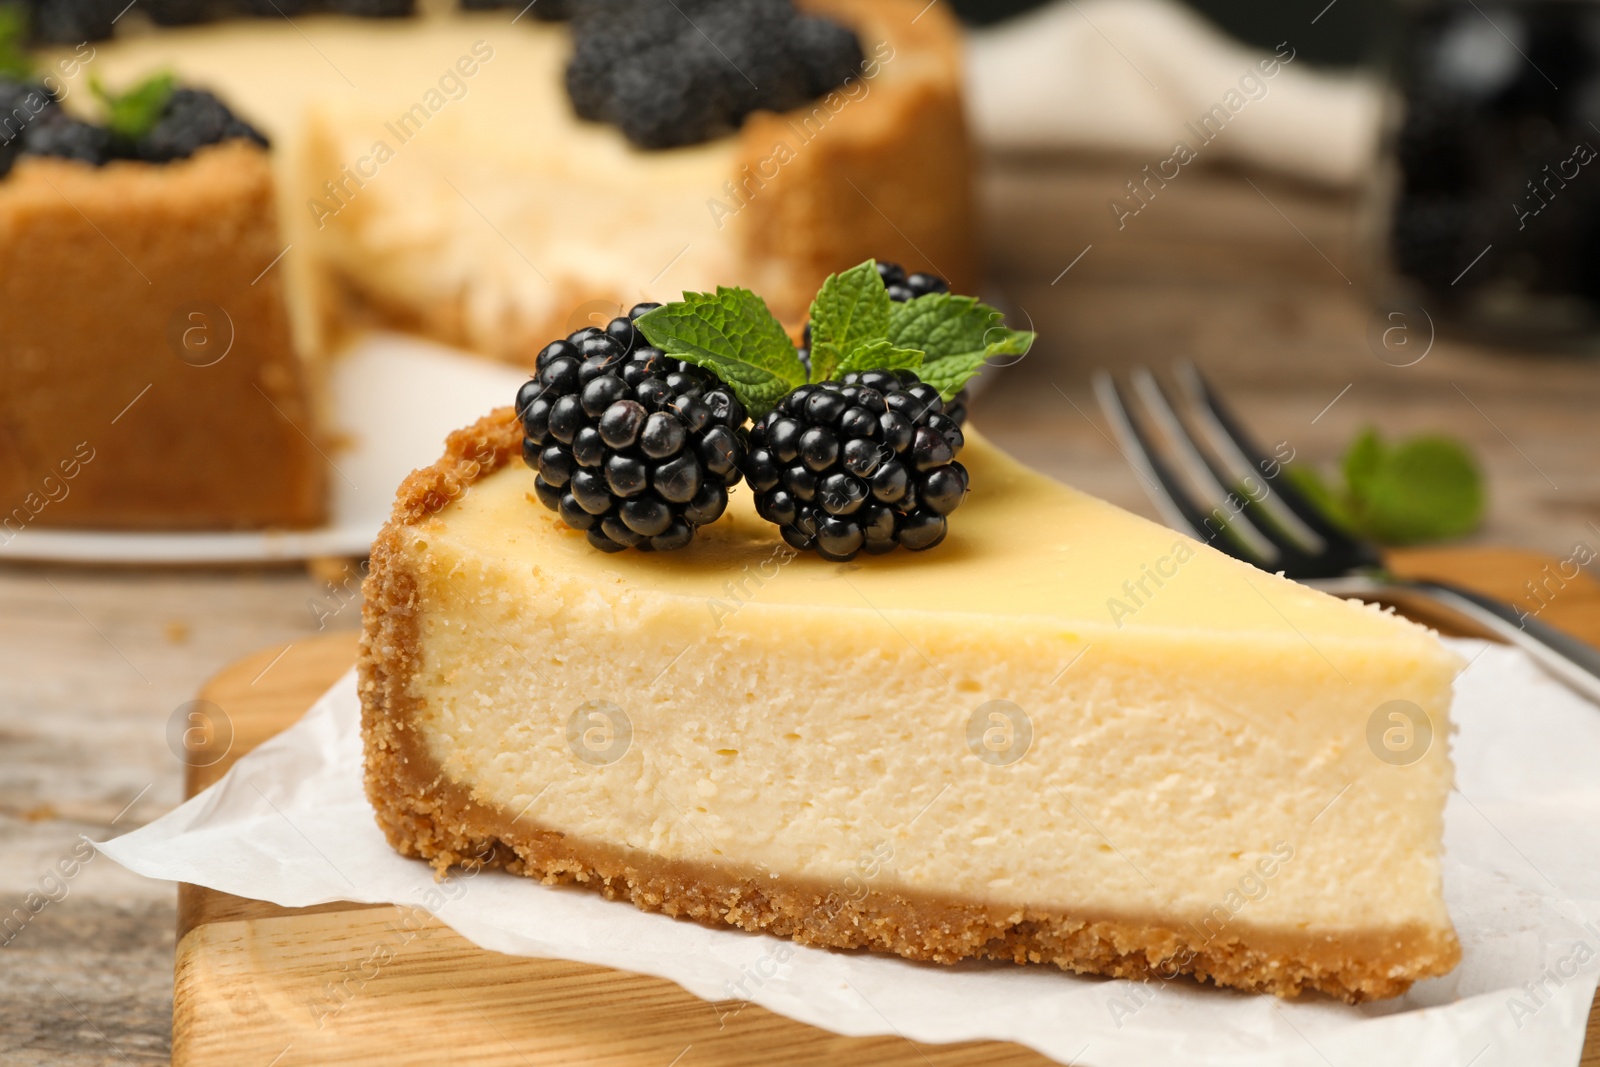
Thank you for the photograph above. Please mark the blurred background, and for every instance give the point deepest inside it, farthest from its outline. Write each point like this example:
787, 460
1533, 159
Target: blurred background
1358, 32
1384, 230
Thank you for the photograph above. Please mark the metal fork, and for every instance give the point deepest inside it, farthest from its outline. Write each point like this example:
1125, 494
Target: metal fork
1260, 517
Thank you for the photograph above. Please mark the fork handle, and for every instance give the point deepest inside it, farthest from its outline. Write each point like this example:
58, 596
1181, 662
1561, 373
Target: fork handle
1570, 660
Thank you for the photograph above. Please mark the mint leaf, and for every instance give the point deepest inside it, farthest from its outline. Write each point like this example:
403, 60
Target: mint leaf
15, 62
732, 334
958, 336
132, 114
851, 308
1424, 489
879, 355
1363, 462
1327, 499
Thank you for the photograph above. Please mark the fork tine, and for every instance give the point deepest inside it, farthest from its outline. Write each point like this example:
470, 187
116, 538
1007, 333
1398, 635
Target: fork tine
1341, 549
1262, 539
1165, 490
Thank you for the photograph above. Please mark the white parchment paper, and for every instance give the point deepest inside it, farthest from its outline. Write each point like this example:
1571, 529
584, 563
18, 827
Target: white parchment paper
289, 824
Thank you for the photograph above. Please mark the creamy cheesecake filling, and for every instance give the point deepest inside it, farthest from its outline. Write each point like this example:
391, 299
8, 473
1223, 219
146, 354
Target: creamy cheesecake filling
1205, 761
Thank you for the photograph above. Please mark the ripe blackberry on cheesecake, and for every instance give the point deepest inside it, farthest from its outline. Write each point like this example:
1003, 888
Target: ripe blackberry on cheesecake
636, 449
637, 430
866, 463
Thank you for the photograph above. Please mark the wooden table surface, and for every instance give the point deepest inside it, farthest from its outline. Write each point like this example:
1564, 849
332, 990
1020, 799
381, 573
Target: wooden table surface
1260, 283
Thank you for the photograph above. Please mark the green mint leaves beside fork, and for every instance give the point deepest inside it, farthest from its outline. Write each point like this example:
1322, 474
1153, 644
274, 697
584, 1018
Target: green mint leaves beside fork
1424, 488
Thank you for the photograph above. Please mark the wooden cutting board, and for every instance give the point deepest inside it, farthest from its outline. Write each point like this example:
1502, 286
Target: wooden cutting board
348, 984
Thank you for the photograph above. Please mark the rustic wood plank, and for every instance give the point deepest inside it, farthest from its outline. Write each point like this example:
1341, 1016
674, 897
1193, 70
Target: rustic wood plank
366, 988
346, 984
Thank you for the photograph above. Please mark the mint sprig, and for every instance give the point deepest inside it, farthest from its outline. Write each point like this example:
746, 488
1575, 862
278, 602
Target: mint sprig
850, 310
15, 63
132, 114
957, 335
881, 354
1425, 488
732, 334
854, 327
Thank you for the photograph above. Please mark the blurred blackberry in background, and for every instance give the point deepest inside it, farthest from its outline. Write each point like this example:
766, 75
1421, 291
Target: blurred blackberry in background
279, 8
634, 448
675, 74
179, 12
543, 10
903, 286
193, 119
373, 9
864, 463
73, 21
23, 105
827, 52
58, 134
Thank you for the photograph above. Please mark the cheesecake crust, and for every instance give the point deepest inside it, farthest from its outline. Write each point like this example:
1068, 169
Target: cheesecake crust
426, 814
151, 377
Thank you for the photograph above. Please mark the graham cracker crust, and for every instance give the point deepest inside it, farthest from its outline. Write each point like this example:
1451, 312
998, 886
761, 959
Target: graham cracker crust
108, 418
424, 813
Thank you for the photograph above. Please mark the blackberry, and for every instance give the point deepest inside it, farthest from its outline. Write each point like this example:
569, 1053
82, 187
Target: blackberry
543, 10
680, 73
74, 21
192, 120
634, 448
903, 286
23, 105
861, 464
58, 134
828, 53
277, 9
373, 9
179, 12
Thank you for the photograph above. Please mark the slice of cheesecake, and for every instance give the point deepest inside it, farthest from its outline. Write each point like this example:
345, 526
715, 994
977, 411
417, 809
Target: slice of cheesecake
1067, 736
435, 178
148, 376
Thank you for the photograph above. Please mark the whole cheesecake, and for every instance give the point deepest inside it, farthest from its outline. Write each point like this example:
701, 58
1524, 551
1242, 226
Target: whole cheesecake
435, 178
1066, 736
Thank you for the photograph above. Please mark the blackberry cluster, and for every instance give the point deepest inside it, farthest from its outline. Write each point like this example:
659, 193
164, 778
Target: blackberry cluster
903, 287
543, 10
22, 105
865, 463
684, 72
32, 124
632, 447
56, 133
76, 21
192, 120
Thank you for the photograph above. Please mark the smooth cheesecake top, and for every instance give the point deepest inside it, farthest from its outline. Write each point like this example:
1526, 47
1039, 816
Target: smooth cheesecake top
1022, 545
